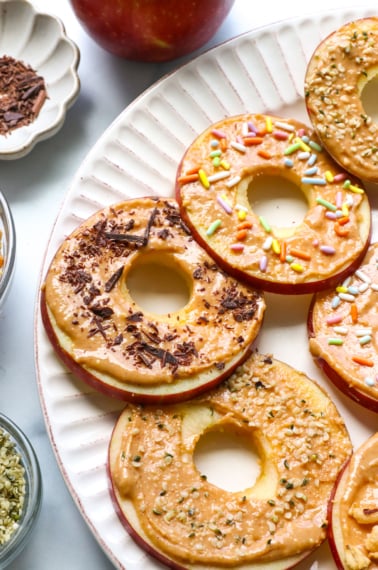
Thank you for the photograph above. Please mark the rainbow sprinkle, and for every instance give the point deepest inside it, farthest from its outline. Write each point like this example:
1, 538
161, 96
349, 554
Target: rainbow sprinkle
213, 227
265, 224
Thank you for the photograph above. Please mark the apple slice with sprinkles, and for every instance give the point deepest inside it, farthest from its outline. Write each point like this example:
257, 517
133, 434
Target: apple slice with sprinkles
216, 188
343, 326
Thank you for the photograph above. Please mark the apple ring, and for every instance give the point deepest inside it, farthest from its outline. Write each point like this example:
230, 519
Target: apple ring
336, 75
109, 341
182, 519
212, 189
353, 510
343, 325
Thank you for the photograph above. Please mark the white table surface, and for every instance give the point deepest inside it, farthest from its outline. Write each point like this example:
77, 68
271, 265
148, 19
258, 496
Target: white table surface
35, 187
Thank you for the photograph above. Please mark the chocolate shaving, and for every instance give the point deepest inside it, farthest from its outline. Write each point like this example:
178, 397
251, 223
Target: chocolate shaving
141, 240
243, 307
147, 361
99, 328
103, 312
110, 284
370, 511
135, 317
185, 352
198, 273
154, 338
92, 293
149, 225
147, 354
128, 238
76, 277
23, 93
163, 234
10, 116
160, 353
33, 90
118, 339
174, 217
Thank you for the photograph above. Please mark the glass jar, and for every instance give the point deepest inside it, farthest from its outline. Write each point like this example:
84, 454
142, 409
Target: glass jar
30, 509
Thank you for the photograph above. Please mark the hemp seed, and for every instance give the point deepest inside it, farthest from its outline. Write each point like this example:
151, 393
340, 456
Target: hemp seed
12, 487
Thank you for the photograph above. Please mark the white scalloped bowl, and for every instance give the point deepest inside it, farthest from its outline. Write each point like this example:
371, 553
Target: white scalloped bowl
40, 41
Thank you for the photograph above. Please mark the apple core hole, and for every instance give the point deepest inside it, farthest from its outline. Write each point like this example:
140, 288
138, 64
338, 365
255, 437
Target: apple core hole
369, 97
158, 285
279, 200
228, 459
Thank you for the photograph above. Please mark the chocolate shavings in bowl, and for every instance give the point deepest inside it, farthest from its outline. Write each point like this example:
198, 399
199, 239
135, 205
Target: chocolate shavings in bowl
22, 94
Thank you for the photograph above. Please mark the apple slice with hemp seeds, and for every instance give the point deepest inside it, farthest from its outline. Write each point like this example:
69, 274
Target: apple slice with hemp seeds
172, 509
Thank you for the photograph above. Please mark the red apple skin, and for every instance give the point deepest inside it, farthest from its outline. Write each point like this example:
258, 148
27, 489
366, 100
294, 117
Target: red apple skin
332, 520
340, 382
126, 394
265, 284
151, 30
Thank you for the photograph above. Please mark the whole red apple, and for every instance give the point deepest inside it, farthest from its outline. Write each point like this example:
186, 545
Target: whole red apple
151, 30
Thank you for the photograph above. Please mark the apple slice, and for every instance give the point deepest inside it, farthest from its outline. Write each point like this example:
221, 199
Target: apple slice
215, 188
341, 326
109, 340
353, 510
178, 516
175, 391
334, 83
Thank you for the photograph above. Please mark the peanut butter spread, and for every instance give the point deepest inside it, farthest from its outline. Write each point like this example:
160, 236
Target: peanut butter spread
213, 186
102, 328
344, 328
302, 442
358, 509
336, 75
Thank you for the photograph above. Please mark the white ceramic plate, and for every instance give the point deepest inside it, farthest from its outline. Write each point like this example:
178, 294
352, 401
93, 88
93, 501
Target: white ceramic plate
261, 71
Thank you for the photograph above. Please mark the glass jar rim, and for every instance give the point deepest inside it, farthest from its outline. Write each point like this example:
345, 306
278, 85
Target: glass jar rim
33, 493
